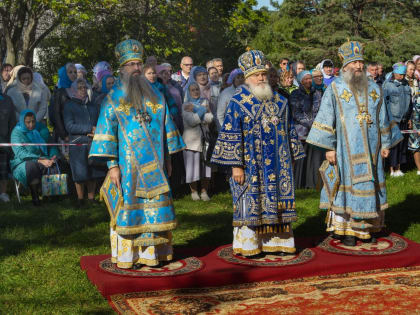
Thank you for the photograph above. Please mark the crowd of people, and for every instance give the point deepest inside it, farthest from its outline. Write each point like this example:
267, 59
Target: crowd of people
197, 98
144, 130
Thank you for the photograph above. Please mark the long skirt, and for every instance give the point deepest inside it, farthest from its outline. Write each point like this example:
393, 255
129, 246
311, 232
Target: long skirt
4, 165
314, 159
195, 169
398, 154
299, 170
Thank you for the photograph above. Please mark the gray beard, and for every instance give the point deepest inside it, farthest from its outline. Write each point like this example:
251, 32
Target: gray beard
137, 89
261, 92
356, 83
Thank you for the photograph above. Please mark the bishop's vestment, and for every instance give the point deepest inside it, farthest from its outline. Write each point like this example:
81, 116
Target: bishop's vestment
357, 127
141, 229
260, 137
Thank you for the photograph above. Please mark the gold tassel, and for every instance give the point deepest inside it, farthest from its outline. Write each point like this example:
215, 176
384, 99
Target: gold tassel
287, 229
271, 229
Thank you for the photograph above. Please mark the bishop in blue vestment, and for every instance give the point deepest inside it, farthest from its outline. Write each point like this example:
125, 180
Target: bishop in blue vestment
353, 126
135, 135
259, 141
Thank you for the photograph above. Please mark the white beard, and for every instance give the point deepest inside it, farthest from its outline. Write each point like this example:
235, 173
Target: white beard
356, 83
261, 91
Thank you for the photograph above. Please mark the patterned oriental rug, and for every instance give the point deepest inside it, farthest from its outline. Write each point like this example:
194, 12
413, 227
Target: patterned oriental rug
215, 280
392, 291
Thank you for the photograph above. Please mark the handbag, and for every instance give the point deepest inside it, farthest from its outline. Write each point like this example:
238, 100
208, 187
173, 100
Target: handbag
54, 184
209, 139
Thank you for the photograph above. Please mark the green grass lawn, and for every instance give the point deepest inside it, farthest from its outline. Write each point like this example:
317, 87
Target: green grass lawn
40, 248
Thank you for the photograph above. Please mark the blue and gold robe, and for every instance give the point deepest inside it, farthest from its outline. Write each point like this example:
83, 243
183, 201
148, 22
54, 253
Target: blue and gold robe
121, 140
261, 138
357, 133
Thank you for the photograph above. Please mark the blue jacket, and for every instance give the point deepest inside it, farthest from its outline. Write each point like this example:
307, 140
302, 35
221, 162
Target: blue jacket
397, 98
304, 107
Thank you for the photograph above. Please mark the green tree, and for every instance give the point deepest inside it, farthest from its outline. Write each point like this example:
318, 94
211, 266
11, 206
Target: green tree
25, 24
313, 30
167, 29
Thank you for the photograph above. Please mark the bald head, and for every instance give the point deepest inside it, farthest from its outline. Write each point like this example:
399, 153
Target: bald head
186, 64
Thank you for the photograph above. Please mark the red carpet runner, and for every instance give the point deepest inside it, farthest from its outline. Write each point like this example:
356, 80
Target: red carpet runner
213, 267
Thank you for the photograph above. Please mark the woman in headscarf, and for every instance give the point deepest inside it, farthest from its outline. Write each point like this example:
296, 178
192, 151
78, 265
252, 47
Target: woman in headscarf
416, 60
304, 105
100, 66
81, 71
66, 75
197, 116
174, 90
31, 162
235, 79
318, 81
13, 77
28, 95
7, 123
38, 79
163, 72
414, 122
80, 118
107, 81
397, 99
149, 72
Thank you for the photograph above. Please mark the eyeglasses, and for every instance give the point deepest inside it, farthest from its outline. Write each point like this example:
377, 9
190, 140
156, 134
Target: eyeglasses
82, 88
317, 76
187, 64
284, 63
133, 64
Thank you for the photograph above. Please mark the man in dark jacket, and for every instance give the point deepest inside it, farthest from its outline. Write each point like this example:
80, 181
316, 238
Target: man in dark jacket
7, 122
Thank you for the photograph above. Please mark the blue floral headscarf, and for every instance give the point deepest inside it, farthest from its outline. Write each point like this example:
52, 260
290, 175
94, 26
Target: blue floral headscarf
103, 87
63, 79
33, 135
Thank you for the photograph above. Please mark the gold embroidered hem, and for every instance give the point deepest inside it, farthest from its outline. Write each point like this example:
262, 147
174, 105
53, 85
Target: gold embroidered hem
260, 222
275, 249
125, 265
151, 241
104, 155
362, 236
349, 210
148, 205
146, 228
103, 137
114, 260
154, 262
245, 252
142, 193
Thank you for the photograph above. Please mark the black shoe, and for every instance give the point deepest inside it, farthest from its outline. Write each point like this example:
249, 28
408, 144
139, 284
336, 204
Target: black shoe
336, 236
136, 266
35, 197
93, 202
80, 204
349, 240
36, 202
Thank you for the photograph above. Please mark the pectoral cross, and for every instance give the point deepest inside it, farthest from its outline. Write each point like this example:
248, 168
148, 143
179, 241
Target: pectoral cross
364, 116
